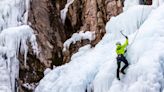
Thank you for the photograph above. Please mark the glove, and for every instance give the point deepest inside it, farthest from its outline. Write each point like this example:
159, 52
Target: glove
125, 50
126, 37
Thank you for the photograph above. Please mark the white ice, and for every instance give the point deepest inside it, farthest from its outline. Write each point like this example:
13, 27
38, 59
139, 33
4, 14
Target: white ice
145, 55
13, 13
14, 36
157, 3
129, 21
30, 86
13, 41
63, 12
130, 3
78, 37
46, 71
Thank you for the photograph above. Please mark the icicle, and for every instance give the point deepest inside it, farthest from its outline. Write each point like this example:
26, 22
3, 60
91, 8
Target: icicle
27, 10
13, 13
34, 44
11, 40
63, 13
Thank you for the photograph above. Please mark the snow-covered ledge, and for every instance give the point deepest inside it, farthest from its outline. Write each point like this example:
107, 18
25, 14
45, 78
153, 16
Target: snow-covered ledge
78, 37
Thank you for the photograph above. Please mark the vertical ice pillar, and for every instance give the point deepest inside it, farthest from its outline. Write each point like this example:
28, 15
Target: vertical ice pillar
63, 12
13, 13
157, 3
27, 11
130, 3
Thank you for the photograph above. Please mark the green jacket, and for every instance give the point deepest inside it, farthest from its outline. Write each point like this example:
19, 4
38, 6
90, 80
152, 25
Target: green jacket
121, 48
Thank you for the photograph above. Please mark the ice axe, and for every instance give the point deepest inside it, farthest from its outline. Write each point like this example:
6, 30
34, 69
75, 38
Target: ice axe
122, 33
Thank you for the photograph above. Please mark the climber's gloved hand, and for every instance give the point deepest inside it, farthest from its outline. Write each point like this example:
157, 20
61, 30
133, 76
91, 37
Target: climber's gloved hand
125, 50
126, 37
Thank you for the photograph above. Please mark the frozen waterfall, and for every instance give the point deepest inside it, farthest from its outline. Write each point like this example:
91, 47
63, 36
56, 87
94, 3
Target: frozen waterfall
14, 35
94, 69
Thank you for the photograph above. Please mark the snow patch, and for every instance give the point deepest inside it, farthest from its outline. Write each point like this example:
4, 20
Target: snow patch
78, 37
30, 86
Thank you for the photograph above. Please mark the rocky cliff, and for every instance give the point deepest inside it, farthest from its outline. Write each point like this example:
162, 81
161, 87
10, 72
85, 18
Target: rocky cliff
44, 17
90, 15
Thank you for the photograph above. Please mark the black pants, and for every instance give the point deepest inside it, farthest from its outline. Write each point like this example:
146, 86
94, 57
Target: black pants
121, 58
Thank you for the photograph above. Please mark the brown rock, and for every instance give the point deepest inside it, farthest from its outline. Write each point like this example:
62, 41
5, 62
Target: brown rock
44, 17
91, 15
45, 20
48, 27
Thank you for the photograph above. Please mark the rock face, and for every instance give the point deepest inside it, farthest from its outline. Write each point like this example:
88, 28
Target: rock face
44, 18
83, 15
90, 15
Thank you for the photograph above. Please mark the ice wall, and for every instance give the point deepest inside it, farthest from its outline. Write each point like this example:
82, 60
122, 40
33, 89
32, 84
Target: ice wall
130, 3
81, 74
94, 69
14, 36
157, 3
13, 41
129, 21
145, 73
13, 13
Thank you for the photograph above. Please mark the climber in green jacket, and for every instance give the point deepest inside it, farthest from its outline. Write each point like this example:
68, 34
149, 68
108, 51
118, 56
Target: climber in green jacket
121, 50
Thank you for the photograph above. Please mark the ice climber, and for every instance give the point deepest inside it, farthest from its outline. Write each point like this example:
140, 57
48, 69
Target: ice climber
121, 50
